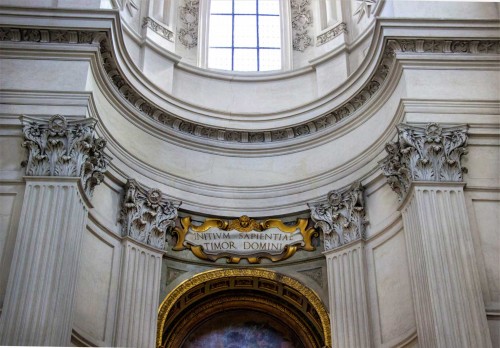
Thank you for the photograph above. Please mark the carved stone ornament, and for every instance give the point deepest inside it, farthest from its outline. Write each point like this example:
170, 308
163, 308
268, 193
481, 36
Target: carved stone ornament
158, 28
65, 148
301, 21
331, 34
342, 217
188, 15
364, 7
317, 124
147, 215
430, 153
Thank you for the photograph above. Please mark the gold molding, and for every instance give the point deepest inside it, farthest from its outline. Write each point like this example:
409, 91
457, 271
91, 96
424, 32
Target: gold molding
244, 224
183, 288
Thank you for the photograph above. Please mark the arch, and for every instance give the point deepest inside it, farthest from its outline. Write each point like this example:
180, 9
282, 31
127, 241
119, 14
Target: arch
213, 291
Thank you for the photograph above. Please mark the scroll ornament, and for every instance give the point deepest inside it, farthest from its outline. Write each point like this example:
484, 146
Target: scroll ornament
147, 215
65, 148
342, 217
430, 153
244, 238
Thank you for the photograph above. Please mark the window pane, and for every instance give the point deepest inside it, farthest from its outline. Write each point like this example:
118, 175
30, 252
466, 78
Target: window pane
219, 58
245, 6
270, 59
245, 31
269, 31
221, 6
269, 7
220, 31
245, 59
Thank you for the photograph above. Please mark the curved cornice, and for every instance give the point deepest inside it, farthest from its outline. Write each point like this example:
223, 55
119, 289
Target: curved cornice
368, 91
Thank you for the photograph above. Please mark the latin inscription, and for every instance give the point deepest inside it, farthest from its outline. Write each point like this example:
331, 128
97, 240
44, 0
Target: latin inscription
272, 241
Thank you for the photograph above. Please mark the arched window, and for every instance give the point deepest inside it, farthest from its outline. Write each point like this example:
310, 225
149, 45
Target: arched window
246, 35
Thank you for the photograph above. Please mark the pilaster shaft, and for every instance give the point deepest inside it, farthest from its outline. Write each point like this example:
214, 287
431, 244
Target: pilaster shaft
39, 300
347, 296
139, 295
449, 307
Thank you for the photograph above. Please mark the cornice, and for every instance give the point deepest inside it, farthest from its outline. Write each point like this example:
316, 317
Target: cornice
186, 128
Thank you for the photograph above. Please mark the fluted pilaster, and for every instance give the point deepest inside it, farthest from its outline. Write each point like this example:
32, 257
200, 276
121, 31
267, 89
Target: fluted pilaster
424, 168
347, 296
139, 295
65, 163
38, 307
341, 218
146, 216
448, 302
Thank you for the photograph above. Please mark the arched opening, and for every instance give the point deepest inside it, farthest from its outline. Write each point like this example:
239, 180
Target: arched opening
243, 304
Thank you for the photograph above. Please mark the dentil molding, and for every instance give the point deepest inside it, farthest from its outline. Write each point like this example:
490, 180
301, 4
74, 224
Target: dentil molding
430, 153
341, 217
135, 99
65, 148
147, 215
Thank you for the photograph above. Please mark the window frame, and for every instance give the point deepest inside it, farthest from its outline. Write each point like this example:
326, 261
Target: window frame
286, 34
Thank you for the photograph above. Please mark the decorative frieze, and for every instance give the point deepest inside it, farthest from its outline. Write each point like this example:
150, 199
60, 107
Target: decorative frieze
188, 15
342, 217
331, 34
430, 153
158, 28
130, 94
65, 148
147, 215
301, 21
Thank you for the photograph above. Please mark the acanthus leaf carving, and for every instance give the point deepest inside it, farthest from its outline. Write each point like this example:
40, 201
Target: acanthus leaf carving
65, 148
341, 217
146, 215
430, 153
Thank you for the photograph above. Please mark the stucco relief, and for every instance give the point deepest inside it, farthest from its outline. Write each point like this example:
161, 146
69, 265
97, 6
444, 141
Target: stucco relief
331, 34
430, 153
188, 15
65, 148
158, 28
342, 217
301, 21
147, 215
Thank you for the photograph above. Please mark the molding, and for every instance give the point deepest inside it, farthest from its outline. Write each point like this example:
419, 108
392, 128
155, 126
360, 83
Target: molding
391, 48
331, 34
158, 28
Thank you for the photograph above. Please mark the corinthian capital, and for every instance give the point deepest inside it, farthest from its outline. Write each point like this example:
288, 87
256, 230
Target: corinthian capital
147, 215
430, 153
341, 217
65, 148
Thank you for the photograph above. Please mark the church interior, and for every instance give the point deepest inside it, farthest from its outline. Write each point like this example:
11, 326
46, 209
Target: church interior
249, 173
